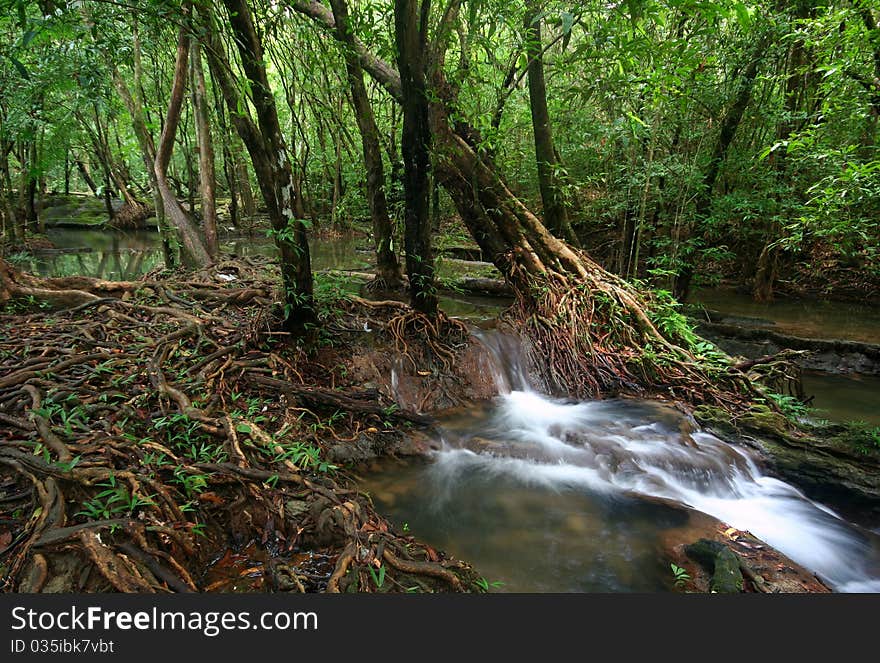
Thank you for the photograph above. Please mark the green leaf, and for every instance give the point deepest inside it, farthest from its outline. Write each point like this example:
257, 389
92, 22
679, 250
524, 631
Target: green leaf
742, 14
242, 428
567, 22
20, 67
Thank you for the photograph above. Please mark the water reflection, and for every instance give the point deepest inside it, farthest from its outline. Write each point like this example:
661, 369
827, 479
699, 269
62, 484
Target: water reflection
807, 318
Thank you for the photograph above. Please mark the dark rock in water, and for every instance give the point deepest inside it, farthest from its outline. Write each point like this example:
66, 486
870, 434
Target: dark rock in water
721, 562
727, 578
704, 552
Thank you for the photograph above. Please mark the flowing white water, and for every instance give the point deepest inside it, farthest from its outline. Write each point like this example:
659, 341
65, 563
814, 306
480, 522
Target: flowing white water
640, 448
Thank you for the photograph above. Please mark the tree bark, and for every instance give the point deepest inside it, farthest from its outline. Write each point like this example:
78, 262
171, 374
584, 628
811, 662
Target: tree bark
410, 23
191, 242
269, 157
206, 153
86, 176
555, 211
387, 266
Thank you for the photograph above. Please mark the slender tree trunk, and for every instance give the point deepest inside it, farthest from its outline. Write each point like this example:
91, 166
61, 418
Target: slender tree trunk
387, 266
11, 227
555, 212
795, 85
270, 159
191, 242
134, 102
228, 165
86, 176
411, 26
206, 153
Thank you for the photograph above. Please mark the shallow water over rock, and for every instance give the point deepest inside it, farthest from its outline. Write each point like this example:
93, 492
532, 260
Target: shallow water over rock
551, 495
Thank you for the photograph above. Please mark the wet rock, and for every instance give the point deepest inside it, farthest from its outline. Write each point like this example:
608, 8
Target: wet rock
719, 561
763, 569
820, 459
727, 578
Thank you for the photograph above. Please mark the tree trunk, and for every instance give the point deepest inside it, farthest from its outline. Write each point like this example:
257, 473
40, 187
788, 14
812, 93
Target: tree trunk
135, 105
269, 157
555, 212
387, 267
586, 330
411, 26
795, 83
86, 176
11, 227
191, 242
206, 153
228, 165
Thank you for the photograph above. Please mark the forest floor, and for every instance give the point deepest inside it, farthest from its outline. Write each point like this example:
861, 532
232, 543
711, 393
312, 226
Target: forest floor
166, 437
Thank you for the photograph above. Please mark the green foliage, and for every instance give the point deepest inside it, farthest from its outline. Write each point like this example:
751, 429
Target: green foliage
790, 406
863, 436
113, 502
680, 575
484, 585
183, 434
377, 576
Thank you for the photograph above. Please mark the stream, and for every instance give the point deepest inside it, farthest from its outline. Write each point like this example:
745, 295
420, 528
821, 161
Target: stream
546, 495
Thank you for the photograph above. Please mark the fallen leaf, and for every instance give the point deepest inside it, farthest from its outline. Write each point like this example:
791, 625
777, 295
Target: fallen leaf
5, 538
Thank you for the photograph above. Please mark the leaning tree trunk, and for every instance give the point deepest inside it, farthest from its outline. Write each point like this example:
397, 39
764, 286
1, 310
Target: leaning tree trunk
192, 243
388, 273
588, 331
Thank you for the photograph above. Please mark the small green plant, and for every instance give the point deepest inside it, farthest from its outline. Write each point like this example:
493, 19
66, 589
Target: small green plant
865, 437
680, 575
485, 585
790, 406
305, 456
192, 484
115, 500
377, 576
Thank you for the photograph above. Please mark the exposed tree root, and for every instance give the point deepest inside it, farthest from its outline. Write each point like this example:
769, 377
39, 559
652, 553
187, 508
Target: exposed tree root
595, 335
148, 427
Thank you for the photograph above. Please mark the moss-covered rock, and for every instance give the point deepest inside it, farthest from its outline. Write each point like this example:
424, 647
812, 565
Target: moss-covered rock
829, 462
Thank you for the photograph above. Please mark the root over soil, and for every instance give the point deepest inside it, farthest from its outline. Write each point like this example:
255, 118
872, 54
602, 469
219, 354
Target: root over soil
152, 430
